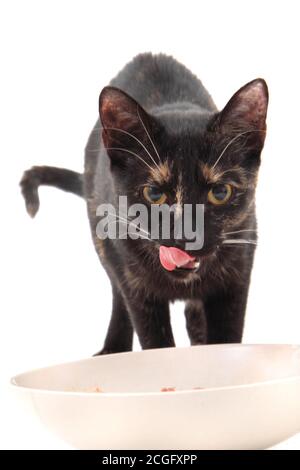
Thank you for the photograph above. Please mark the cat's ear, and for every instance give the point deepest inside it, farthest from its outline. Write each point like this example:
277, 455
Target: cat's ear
123, 120
247, 109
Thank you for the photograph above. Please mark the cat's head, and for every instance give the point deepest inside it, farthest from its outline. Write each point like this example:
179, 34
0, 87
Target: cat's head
180, 154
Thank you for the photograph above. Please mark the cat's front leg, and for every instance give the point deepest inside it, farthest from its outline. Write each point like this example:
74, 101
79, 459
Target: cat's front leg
151, 320
196, 321
225, 313
119, 336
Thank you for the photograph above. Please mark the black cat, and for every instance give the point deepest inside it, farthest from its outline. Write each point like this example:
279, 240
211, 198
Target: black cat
161, 140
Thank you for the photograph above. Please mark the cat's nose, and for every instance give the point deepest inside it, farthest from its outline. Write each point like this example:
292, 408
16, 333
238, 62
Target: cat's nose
182, 242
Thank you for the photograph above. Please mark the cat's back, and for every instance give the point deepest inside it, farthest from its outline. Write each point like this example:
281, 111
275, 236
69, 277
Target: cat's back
157, 79
154, 81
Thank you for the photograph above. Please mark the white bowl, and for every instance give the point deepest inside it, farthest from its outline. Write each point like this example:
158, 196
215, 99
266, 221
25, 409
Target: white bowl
250, 398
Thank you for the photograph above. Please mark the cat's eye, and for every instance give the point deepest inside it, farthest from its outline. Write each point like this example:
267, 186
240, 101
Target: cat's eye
154, 195
219, 194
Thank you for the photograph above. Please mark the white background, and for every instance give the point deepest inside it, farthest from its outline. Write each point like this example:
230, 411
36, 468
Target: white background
56, 56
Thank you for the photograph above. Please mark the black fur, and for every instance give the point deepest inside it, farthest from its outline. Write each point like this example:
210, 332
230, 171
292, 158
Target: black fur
189, 135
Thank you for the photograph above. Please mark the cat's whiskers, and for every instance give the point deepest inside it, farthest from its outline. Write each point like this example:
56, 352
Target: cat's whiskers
145, 238
132, 153
233, 140
240, 231
130, 222
135, 138
146, 130
238, 241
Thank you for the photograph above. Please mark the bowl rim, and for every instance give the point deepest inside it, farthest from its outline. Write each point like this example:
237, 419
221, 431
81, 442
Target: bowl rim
104, 395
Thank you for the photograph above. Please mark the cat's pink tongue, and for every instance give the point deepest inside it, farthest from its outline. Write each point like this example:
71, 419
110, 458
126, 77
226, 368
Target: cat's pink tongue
172, 258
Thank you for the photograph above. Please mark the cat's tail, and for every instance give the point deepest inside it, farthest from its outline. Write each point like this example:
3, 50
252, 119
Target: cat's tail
61, 178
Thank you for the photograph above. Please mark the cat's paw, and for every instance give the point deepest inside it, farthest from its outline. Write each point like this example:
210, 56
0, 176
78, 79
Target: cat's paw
104, 351
116, 350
